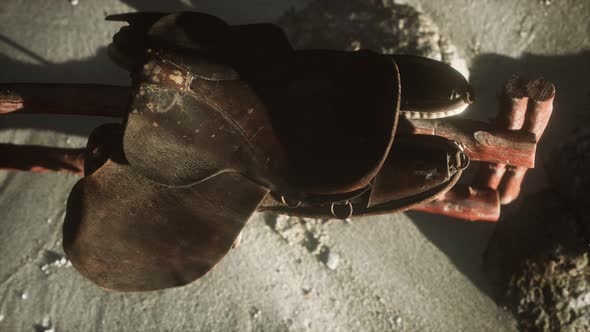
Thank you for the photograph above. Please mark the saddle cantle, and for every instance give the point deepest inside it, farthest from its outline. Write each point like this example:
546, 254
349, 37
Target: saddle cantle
228, 120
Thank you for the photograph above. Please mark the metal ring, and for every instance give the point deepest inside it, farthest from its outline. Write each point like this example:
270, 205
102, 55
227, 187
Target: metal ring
284, 201
349, 212
463, 161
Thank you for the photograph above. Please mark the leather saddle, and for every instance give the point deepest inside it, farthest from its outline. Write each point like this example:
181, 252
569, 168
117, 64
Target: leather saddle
228, 120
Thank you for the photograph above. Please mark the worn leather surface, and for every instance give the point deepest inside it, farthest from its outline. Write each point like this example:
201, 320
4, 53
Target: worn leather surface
186, 125
126, 233
415, 165
431, 162
176, 136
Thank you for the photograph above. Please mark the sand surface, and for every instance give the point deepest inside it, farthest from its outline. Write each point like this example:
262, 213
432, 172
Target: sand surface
406, 272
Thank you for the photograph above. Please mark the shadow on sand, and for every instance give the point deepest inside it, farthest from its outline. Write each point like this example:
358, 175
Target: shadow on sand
465, 242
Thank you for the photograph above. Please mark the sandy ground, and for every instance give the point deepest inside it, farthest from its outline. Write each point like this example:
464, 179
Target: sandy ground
409, 272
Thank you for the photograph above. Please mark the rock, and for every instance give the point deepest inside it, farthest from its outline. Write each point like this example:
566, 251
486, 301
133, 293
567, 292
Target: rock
289, 228
53, 260
254, 313
307, 232
538, 256
45, 325
330, 259
552, 292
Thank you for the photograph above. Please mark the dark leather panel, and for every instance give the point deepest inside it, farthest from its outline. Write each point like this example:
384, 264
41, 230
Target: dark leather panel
392, 193
335, 113
126, 233
415, 164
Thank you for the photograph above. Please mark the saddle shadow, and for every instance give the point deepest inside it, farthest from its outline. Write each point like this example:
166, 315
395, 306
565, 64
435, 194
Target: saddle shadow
465, 242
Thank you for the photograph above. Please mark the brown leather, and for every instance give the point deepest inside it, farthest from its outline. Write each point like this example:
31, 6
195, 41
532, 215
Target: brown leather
127, 233
433, 164
184, 128
220, 117
431, 89
416, 165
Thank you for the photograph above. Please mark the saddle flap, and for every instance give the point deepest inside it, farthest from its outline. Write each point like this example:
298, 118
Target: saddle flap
415, 165
126, 233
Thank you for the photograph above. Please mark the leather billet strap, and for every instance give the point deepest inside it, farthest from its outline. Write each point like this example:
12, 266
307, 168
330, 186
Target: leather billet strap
432, 178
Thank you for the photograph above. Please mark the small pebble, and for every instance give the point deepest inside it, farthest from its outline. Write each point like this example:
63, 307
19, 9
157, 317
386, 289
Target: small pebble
57, 263
24, 295
254, 312
74, 2
332, 260
355, 45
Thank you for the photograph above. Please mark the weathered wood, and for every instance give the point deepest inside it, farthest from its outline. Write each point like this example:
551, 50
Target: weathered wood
509, 187
76, 99
479, 140
537, 116
541, 95
512, 106
525, 106
465, 202
41, 159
